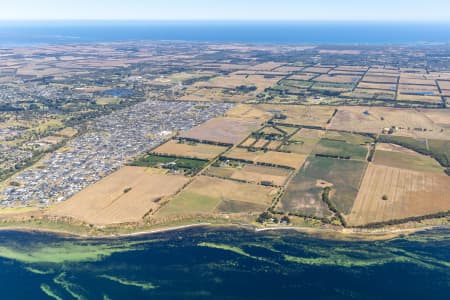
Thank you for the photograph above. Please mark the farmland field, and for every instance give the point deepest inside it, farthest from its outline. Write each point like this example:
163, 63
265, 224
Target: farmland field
371, 94
407, 193
405, 159
438, 149
380, 79
337, 79
288, 130
252, 173
274, 145
420, 98
267, 66
304, 141
292, 160
192, 150
214, 94
361, 69
348, 137
248, 142
207, 195
302, 76
245, 111
332, 87
330, 147
233, 81
109, 202
288, 69
303, 194
321, 70
417, 80
418, 89
409, 122
445, 85
439, 116
378, 86
302, 115
222, 130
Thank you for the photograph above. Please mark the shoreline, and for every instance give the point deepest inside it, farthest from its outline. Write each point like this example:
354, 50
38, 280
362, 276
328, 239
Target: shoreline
342, 234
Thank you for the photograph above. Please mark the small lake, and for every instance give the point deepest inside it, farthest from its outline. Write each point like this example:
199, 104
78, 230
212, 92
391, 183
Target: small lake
205, 263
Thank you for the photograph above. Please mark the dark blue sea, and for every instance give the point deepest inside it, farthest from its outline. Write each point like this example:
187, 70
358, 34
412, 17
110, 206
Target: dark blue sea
224, 264
29, 33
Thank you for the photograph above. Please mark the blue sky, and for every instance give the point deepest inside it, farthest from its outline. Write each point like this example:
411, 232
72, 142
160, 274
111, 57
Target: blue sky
300, 10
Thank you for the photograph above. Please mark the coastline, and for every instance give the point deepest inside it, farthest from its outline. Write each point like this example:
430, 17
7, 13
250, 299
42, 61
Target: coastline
325, 233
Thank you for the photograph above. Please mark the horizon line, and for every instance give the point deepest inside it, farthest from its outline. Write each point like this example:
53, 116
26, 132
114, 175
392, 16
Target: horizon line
234, 20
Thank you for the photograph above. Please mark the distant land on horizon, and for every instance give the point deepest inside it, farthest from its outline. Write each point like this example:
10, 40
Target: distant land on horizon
20, 33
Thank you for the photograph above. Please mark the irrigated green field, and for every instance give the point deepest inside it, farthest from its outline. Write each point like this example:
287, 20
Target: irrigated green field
344, 145
438, 149
341, 149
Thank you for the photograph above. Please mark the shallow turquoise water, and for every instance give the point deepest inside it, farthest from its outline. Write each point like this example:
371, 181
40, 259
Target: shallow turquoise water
224, 264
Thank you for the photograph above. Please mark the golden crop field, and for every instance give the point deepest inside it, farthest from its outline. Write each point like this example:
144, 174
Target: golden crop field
274, 145
109, 202
191, 150
292, 160
420, 98
383, 72
260, 143
253, 173
378, 86
380, 79
352, 68
410, 88
248, 142
418, 81
407, 193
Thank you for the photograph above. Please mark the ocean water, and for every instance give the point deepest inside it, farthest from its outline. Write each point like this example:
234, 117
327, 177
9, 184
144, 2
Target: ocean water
228, 263
30, 33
